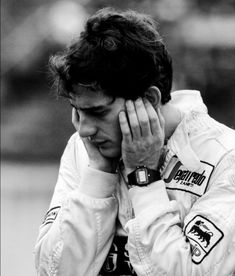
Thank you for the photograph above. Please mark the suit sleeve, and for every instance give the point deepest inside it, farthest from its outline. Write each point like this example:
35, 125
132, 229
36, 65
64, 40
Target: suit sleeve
203, 243
76, 234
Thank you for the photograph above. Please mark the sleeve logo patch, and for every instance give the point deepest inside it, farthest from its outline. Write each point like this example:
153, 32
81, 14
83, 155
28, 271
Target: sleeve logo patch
180, 178
203, 236
51, 215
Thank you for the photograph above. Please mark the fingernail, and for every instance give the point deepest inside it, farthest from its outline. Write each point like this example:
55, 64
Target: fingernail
121, 113
128, 102
145, 100
122, 116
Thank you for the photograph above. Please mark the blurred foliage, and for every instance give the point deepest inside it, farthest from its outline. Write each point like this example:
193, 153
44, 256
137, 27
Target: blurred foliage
36, 125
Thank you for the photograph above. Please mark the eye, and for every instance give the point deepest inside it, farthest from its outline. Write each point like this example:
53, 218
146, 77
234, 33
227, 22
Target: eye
99, 113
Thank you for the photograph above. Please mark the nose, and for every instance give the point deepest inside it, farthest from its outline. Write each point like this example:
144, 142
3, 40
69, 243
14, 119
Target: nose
87, 126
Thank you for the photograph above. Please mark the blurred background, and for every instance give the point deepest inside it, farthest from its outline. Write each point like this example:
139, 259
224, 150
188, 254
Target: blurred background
200, 35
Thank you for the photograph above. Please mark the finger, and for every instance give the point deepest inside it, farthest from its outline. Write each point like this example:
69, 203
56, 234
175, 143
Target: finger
161, 119
126, 132
133, 120
88, 145
155, 125
85, 142
92, 150
75, 119
143, 118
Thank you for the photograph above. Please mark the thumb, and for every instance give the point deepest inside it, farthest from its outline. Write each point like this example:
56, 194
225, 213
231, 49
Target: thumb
91, 149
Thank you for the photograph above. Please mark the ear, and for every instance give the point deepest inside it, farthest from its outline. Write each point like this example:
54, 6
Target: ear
153, 94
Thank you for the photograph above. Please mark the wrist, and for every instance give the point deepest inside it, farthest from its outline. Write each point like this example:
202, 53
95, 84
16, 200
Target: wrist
143, 176
108, 168
97, 184
150, 165
102, 168
129, 170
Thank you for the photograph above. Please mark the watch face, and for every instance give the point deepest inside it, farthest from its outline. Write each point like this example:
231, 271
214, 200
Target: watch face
141, 176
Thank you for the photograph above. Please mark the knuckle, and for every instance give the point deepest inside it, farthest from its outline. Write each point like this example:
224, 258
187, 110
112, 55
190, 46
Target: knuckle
130, 106
144, 121
153, 117
135, 126
149, 142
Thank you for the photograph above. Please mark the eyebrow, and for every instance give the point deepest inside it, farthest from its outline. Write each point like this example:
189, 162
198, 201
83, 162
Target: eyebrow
92, 108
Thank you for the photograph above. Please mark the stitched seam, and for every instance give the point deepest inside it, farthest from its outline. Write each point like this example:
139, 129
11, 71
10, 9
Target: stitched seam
140, 251
57, 252
211, 269
98, 238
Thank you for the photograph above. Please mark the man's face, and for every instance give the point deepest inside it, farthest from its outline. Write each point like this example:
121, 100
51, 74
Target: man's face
98, 119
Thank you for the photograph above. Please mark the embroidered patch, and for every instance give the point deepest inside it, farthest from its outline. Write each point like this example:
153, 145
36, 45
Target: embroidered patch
51, 215
203, 236
117, 261
180, 178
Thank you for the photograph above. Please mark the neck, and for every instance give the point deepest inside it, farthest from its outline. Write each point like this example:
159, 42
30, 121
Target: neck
172, 116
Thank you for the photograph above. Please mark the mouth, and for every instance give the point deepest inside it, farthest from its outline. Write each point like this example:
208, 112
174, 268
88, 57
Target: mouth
100, 143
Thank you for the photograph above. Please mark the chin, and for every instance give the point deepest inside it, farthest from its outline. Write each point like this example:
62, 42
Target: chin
110, 152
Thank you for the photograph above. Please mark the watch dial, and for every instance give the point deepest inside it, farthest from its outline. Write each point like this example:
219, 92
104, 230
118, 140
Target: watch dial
141, 176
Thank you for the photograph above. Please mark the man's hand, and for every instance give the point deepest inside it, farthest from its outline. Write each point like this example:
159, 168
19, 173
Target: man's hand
143, 135
96, 159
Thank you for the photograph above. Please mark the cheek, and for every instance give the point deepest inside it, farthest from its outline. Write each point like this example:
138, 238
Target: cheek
114, 129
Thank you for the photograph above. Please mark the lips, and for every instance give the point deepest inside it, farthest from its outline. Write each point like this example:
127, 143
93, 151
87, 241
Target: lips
99, 143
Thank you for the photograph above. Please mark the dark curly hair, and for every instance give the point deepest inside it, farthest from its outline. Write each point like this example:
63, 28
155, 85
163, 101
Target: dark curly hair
119, 53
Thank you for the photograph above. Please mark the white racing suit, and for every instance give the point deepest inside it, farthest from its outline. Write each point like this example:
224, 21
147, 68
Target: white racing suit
181, 225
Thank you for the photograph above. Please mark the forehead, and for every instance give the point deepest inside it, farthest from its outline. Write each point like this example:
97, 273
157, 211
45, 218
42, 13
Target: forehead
86, 98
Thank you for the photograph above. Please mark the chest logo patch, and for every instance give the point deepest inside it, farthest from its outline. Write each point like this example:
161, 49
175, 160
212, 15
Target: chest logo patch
203, 236
178, 177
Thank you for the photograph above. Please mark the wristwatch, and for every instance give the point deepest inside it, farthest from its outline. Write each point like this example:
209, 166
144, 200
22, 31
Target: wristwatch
143, 176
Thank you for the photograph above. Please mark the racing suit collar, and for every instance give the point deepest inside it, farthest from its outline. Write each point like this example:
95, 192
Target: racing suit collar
189, 102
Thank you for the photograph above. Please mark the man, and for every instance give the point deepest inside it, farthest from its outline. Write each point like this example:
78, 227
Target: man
147, 184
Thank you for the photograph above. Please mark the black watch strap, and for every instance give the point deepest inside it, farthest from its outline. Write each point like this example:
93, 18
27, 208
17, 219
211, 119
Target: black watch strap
143, 176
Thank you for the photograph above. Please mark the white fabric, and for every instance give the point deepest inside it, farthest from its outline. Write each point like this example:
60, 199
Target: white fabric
161, 220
